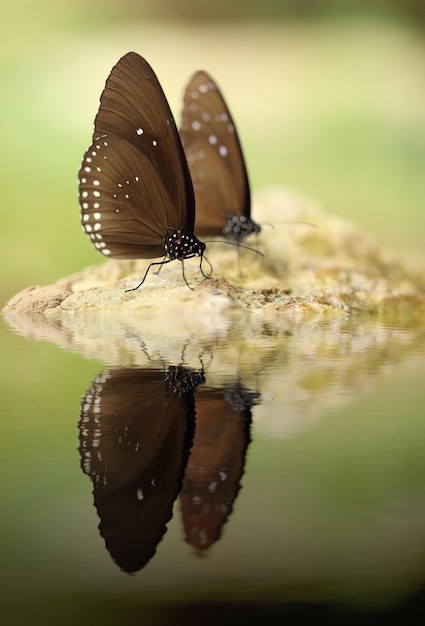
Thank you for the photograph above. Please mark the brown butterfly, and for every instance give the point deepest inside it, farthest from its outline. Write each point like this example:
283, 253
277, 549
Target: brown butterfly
135, 189
216, 163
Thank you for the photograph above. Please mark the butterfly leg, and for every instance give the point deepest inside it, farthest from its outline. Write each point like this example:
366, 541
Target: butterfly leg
238, 257
160, 265
147, 272
201, 269
184, 276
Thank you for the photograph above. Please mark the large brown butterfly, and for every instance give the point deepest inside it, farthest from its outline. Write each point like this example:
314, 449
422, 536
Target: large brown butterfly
135, 189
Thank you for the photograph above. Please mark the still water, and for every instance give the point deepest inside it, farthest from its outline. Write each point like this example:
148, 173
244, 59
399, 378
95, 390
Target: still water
161, 471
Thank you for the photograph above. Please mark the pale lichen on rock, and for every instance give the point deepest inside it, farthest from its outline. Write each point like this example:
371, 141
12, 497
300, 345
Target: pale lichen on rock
311, 263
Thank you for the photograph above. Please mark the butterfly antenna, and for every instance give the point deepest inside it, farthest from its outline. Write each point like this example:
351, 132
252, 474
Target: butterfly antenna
234, 243
289, 222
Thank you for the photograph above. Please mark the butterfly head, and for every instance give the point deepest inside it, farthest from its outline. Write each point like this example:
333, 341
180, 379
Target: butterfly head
238, 226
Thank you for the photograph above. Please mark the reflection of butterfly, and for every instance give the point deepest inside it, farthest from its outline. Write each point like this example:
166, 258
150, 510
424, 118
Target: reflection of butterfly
216, 163
136, 193
135, 432
216, 462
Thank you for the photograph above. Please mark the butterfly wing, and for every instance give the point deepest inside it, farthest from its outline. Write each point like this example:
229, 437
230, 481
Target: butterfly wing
214, 156
133, 107
125, 207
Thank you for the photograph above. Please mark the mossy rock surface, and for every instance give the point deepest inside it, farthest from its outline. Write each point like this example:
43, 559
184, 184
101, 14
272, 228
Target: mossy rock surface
313, 264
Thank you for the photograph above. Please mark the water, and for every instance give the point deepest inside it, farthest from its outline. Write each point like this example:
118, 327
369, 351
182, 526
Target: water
289, 454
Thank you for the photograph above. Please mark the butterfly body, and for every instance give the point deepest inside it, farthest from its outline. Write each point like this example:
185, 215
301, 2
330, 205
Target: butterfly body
135, 189
238, 226
216, 163
179, 246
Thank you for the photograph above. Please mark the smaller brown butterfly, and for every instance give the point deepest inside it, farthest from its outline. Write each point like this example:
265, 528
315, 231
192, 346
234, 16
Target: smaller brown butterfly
216, 163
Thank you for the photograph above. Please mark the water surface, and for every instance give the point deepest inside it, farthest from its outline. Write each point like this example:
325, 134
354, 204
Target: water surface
257, 469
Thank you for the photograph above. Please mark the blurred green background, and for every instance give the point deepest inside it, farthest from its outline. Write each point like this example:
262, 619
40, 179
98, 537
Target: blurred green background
329, 99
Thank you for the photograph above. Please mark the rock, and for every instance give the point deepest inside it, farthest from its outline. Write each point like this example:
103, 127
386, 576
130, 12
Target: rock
37, 299
313, 264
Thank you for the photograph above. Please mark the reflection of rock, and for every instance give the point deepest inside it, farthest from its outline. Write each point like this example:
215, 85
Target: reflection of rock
301, 367
325, 266
331, 365
317, 320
